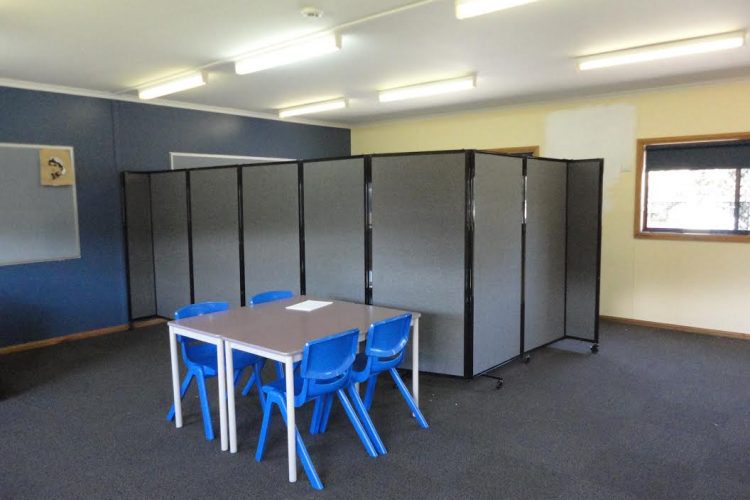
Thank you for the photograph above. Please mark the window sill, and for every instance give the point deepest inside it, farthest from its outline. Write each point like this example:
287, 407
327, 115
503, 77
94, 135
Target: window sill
729, 238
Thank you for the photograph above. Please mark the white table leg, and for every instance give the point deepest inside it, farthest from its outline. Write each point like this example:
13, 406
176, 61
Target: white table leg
231, 413
415, 361
175, 379
222, 376
291, 424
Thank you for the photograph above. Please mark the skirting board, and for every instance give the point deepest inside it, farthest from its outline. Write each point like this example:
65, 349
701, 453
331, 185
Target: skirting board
78, 336
677, 328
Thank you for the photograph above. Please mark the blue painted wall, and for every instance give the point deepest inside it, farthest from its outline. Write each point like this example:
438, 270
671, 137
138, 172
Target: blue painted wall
44, 300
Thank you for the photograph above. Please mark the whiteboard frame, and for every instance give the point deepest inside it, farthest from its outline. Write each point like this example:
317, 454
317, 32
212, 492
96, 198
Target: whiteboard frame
234, 159
75, 203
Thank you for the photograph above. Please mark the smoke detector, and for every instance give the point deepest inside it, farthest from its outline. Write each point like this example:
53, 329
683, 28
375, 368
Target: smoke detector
311, 12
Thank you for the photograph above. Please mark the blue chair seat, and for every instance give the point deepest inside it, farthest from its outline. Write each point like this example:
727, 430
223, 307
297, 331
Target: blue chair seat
279, 385
205, 355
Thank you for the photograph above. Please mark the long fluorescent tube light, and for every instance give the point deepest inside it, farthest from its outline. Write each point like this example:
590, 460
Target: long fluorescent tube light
176, 85
666, 50
473, 8
288, 54
315, 107
428, 89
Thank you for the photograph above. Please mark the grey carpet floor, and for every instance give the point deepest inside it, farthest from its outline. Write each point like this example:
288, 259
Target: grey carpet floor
654, 414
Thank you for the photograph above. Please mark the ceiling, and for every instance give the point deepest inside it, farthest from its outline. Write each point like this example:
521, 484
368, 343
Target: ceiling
520, 55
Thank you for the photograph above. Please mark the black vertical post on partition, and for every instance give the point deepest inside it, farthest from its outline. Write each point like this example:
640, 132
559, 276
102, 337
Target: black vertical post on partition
190, 235
469, 267
523, 259
126, 241
368, 228
565, 249
241, 235
301, 201
153, 256
599, 253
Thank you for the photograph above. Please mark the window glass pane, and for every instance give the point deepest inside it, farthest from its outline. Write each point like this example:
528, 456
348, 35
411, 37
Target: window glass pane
691, 199
744, 224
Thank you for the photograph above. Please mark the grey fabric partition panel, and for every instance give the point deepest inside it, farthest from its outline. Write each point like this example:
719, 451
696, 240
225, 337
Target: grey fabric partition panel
418, 249
171, 260
334, 229
498, 223
544, 316
139, 245
583, 230
271, 228
214, 215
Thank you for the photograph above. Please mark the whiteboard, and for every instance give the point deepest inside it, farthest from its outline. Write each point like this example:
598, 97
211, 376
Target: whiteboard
197, 160
37, 223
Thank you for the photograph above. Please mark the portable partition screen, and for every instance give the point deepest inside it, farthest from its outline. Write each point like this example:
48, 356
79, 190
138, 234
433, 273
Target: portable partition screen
140, 249
544, 273
171, 243
335, 226
583, 243
214, 215
418, 237
270, 199
500, 254
498, 228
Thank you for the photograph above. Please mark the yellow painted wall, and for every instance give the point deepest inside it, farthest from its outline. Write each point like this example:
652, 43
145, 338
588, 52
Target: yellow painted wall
698, 284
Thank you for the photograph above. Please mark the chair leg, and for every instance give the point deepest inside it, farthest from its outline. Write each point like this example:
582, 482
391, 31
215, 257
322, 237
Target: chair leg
317, 415
409, 400
208, 426
304, 456
361, 432
366, 420
326, 413
371, 382
249, 384
264, 429
183, 389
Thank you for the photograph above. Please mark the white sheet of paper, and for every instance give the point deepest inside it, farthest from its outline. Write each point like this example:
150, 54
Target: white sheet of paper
309, 305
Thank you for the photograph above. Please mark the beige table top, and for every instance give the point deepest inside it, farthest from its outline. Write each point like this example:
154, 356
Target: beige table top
272, 327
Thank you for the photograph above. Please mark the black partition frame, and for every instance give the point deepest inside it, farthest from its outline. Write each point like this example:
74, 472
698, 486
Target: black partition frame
367, 227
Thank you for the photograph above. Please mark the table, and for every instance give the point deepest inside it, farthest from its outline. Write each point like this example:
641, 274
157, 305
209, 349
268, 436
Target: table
274, 332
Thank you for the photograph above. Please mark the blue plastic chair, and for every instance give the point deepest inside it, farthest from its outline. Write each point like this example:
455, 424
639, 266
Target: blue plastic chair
325, 370
384, 351
272, 296
200, 360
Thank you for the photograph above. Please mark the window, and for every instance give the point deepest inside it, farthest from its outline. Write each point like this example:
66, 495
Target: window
694, 188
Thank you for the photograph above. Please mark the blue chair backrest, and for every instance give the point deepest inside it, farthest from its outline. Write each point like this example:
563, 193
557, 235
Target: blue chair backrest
199, 309
386, 341
270, 296
326, 364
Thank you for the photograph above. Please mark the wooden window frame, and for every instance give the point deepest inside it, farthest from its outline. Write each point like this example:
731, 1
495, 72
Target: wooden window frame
515, 150
640, 186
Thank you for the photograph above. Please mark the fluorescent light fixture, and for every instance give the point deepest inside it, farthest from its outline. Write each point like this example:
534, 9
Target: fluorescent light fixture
288, 54
666, 50
428, 89
473, 8
315, 107
175, 85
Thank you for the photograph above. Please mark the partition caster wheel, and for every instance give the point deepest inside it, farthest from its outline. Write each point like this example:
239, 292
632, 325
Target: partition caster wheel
595, 348
526, 359
499, 383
